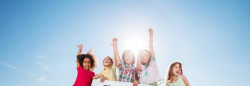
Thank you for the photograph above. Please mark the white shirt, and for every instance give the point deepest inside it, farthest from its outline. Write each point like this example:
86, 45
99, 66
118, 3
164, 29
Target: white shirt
153, 74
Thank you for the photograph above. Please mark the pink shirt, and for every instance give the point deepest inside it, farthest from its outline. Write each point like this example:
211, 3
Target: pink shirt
84, 77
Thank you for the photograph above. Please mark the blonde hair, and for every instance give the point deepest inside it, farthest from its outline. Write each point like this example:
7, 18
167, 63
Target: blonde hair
170, 70
128, 53
140, 53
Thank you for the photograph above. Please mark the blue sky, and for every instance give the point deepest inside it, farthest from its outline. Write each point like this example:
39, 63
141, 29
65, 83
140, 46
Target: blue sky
210, 38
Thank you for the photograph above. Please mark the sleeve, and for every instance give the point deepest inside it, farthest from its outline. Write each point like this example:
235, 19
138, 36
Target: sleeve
153, 62
114, 68
120, 66
142, 67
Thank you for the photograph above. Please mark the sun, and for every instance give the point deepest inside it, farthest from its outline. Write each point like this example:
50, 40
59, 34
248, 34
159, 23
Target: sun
136, 42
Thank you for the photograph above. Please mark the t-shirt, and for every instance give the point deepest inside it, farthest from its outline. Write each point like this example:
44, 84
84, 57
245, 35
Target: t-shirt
127, 72
179, 82
84, 77
150, 74
109, 73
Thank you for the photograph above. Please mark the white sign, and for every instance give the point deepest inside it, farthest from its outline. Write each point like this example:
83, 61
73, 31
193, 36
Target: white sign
96, 82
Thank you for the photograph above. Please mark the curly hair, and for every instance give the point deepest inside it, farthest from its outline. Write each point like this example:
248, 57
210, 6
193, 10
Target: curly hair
170, 70
92, 58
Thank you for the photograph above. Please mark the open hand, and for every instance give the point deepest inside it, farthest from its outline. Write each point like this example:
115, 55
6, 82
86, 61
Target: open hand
90, 51
150, 31
79, 46
115, 40
102, 78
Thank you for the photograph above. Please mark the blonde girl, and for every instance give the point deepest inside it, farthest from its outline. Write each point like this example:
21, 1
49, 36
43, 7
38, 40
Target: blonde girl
175, 75
146, 63
127, 70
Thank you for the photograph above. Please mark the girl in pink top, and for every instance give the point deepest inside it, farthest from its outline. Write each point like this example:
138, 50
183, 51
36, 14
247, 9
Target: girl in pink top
86, 63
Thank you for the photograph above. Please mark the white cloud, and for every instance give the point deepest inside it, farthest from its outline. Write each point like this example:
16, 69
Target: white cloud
41, 56
47, 68
14, 67
41, 79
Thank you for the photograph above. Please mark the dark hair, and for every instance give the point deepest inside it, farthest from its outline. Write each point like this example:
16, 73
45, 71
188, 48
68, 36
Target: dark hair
92, 58
109, 58
128, 53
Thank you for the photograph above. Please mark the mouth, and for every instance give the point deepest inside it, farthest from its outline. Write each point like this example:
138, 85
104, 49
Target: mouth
177, 72
86, 67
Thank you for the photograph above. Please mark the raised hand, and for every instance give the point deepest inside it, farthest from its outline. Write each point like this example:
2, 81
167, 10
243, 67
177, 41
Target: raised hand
79, 46
150, 31
115, 40
90, 51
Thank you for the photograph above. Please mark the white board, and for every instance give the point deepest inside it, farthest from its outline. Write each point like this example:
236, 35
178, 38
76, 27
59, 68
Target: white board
96, 82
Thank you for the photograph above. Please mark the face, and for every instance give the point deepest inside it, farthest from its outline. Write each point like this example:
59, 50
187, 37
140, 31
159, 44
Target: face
107, 61
86, 64
145, 57
128, 59
176, 70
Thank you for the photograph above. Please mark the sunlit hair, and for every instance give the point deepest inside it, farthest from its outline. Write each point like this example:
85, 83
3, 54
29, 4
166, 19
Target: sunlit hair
127, 53
109, 58
92, 58
141, 53
170, 70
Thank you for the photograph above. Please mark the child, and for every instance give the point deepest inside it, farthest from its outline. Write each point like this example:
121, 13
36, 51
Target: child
127, 71
86, 63
109, 71
147, 65
175, 75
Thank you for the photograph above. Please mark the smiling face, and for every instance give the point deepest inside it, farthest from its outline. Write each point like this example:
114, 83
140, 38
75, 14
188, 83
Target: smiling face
145, 57
107, 61
176, 70
86, 64
128, 59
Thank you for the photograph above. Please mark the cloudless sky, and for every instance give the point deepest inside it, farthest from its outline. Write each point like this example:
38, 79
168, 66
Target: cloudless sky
210, 38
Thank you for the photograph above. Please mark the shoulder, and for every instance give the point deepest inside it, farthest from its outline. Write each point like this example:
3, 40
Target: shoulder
183, 77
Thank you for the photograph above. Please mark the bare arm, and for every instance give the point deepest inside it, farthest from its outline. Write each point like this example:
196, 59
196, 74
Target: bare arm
80, 49
96, 76
79, 52
167, 84
117, 57
138, 65
114, 59
185, 80
151, 49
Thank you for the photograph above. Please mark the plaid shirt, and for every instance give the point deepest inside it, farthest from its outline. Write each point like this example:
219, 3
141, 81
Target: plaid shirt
127, 72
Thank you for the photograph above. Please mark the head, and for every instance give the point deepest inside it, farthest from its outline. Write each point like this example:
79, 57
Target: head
87, 61
175, 69
128, 57
107, 61
145, 56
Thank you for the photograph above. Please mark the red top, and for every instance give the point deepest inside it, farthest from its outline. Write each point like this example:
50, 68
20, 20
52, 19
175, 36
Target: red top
84, 77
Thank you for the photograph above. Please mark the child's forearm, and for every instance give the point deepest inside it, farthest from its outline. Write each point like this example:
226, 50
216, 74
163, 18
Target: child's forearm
96, 76
117, 57
79, 51
138, 65
151, 49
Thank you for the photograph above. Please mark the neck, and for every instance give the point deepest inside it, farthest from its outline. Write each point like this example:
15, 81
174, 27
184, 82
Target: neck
107, 66
174, 77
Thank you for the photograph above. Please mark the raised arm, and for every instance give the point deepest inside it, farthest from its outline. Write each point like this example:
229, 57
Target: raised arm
80, 49
138, 64
151, 49
117, 57
114, 59
79, 52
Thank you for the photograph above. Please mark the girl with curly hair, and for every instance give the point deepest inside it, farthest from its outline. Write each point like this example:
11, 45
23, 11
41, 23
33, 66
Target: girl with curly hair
86, 63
